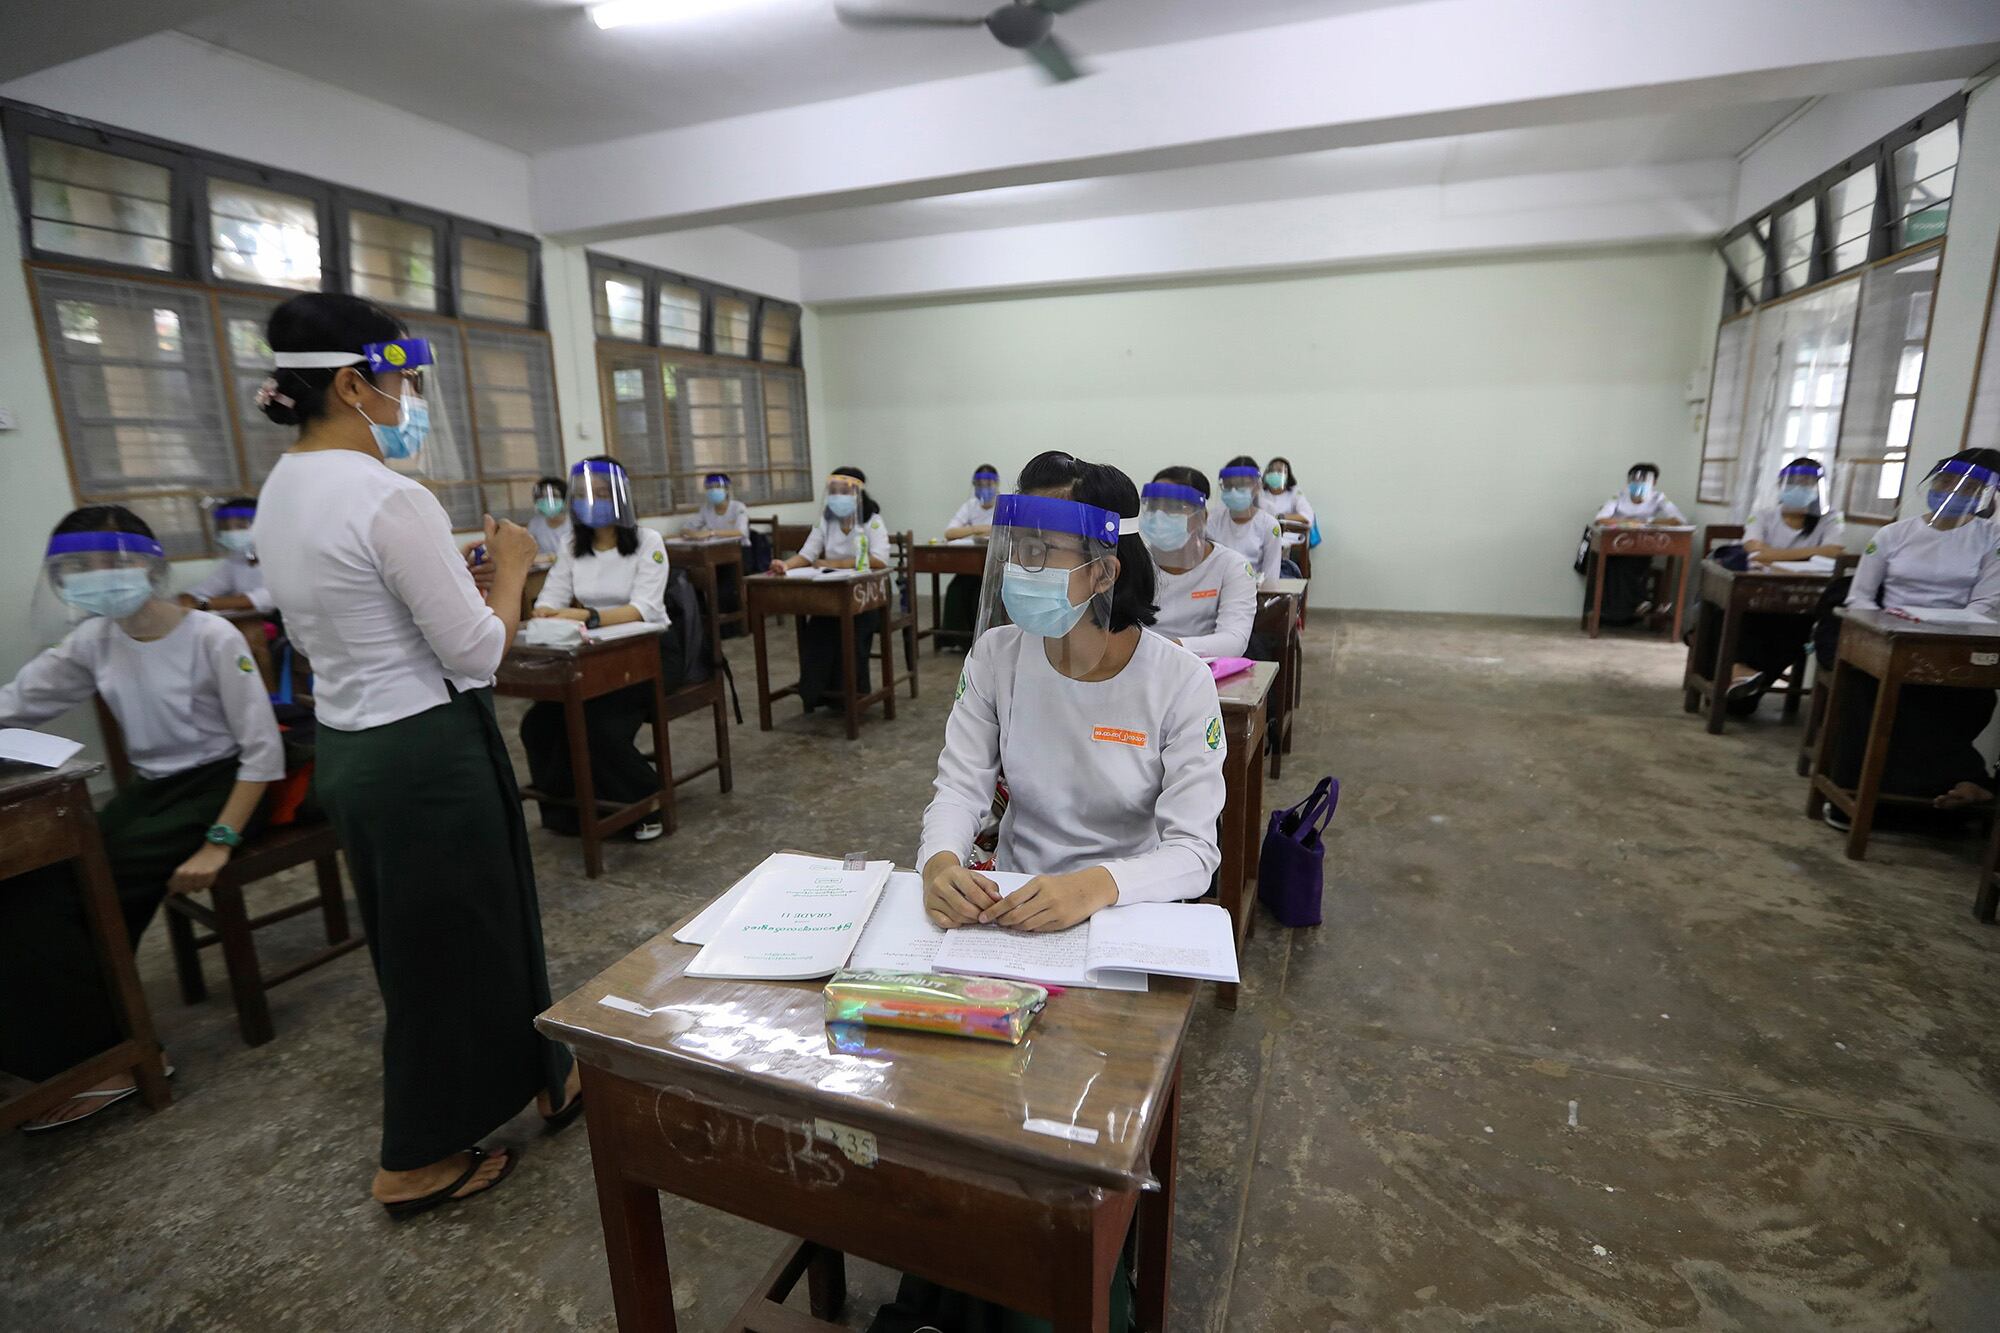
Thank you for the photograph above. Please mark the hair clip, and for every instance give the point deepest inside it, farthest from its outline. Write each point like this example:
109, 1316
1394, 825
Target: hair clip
267, 393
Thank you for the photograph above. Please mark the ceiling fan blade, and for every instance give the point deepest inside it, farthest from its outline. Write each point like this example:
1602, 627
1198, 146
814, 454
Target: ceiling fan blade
873, 18
1058, 6
1055, 60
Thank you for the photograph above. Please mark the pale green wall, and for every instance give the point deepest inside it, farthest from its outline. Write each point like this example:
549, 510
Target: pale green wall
1454, 424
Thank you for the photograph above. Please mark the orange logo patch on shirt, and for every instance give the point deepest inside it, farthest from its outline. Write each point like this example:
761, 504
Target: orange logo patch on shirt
1118, 735
1200, 593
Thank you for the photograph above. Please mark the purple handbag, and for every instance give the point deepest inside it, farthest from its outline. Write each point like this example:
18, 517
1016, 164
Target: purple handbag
1291, 872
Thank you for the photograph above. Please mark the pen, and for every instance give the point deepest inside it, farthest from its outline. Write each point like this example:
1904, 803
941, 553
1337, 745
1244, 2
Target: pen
1903, 615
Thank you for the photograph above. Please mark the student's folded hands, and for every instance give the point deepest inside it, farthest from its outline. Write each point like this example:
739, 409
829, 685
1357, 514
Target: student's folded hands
955, 896
1054, 902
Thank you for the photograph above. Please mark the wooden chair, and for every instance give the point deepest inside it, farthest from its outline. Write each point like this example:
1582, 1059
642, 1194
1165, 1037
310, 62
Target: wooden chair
1843, 567
1275, 631
712, 695
228, 920
1719, 534
896, 617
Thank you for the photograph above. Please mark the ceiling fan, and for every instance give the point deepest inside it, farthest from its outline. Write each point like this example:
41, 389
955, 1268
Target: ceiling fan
1028, 26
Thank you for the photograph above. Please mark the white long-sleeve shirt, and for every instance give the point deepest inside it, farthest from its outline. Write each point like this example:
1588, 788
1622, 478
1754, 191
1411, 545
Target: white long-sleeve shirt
361, 560
1912, 564
604, 579
1769, 527
188, 698
1286, 504
235, 575
550, 539
1211, 607
829, 541
735, 517
972, 514
1124, 773
1258, 540
1655, 505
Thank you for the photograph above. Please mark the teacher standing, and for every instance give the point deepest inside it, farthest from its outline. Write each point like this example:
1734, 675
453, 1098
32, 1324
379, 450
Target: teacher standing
411, 765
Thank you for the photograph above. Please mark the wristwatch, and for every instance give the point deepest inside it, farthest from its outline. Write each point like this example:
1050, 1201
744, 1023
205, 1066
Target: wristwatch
592, 620
201, 603
224, 836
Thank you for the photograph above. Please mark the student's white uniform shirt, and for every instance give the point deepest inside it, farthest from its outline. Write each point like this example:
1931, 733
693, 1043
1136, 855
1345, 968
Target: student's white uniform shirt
1258, 540
1769, 527
973, 514
187, 699
734, 518
1211, 607
828, 541
604, 579
235, 576
550, 540
1286, 504
1912, 564
373, 590
1655, 505
1125, 773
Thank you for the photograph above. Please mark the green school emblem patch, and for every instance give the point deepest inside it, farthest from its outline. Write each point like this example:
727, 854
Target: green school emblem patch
659, 557
244, 664
1214, 736
959, 693
1870, 550
1250, 569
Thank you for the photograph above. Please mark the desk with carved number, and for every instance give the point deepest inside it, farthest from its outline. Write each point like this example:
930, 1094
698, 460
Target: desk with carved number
1244, 725
1676, 544
1728, 598
1010, 1173
843, 595
1896, 652
572, 677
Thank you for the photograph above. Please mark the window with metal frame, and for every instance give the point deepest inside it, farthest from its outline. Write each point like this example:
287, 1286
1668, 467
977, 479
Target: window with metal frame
730, 325
619, 302
1850, 211
511, 377
1923, 171
496, 280
1800, 352
392, 260
679, 316
94, 205
635, 386
1890, 336
1795, 236
1982, 414
262, 237
673, 418
777, 329
1729, 384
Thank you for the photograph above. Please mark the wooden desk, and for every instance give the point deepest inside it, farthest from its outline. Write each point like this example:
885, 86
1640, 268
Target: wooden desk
704, 559
938, 559
904, 1148
1243, 724
571, 677
1727, 598
1613, 539
46, 817
1896, 652
845, 596
1282, 606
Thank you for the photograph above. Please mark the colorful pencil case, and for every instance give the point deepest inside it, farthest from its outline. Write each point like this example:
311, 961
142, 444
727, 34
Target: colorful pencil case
981, 1007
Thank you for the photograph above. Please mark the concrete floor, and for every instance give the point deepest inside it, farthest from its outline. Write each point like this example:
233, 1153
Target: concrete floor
1551, 892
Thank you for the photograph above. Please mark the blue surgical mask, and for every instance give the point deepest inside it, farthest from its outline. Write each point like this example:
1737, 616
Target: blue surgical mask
1275, 479
1952, 504
595, 513
234, 539
549, 505
1038, 600
717, 494
841, 504
1638, 490
1237, 500
1798, 497
984, 492
1163, 531
112, 593
406, 438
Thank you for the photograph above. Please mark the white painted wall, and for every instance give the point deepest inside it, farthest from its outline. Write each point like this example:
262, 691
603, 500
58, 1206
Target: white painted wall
1455, 424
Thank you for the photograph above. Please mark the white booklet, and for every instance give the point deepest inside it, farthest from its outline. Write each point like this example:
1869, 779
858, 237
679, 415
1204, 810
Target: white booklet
793, 922
1114, 950
1945, 615
36, 747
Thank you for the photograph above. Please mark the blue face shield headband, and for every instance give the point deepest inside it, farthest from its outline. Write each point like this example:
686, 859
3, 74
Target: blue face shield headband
86, 543
1034, 592
1957, 489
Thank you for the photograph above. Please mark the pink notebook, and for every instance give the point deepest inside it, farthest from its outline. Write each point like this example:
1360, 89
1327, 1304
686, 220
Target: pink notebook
1225, 667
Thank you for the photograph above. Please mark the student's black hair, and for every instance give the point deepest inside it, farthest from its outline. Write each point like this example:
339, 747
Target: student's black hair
562, 487
1243, 460
583, 540
103, 518
1802, 461
1650, 469
1185, 476
868, 506
1100, 484
320, 322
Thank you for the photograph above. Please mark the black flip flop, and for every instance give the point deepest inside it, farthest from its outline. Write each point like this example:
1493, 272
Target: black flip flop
557, 1123
403, 1208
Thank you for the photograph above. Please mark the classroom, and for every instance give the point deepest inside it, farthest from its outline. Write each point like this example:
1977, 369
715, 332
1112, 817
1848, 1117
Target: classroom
977, 665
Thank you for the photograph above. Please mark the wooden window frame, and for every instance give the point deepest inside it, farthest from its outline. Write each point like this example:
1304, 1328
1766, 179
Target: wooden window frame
440, 225
655, 278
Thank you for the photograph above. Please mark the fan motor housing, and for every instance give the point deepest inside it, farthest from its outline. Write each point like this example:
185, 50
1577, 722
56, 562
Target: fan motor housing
1020, 26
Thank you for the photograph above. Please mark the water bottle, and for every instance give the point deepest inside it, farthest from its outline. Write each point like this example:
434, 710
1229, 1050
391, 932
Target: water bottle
861, 551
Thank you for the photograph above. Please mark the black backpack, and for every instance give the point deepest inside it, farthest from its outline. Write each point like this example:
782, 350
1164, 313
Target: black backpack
684, 647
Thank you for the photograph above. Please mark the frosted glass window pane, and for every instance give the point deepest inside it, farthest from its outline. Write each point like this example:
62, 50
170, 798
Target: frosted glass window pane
262, 236
495, 281
392, 261
99, 206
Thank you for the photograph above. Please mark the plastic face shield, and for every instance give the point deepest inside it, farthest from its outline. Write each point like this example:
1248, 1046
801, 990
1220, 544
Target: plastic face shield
397, 414
841, 500
600, 495
1802, 488
1239, 487
1957, 491
1050, 569
87, 574
1171, 518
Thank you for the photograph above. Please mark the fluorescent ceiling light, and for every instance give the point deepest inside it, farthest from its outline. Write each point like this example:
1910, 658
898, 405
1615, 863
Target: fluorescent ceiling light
620, 13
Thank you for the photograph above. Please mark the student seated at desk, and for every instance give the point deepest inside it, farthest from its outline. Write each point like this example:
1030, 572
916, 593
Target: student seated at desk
1948, 557
237, 581
614, 572
973, 519
849, 518
198, 729
1283, 500
721, 514
1207, 594
1625, 576
550, 525
1241, 525
1794, 527
1110, 737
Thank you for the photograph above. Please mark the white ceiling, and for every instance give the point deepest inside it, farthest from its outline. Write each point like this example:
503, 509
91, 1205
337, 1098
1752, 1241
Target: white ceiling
538, 74
1705, 135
